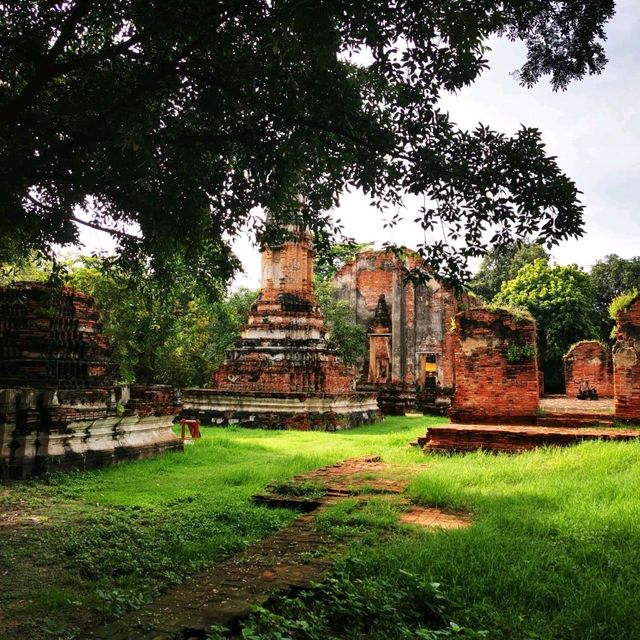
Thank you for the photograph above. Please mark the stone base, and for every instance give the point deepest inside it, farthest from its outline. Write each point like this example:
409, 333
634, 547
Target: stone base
471, 437
394, 398
45, 430
299, 411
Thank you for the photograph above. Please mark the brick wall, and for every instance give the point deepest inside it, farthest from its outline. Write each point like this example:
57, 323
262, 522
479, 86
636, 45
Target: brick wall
626, 364
589, 361
421, 314
496, 373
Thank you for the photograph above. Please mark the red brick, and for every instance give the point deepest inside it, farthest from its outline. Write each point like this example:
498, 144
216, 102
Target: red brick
589, 361
490, 388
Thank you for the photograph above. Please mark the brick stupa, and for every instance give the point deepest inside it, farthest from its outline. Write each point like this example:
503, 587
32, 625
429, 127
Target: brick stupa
60, 407
283, 373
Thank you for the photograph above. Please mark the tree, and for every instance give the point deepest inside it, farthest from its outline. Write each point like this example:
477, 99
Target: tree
561, 300
335, 257
349, 338
175, 119
611, 277
502, 264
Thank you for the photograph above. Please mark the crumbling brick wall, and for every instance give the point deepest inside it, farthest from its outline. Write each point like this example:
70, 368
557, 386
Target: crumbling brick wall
626, 364
59, 405
589, 361
496, 367
420, 313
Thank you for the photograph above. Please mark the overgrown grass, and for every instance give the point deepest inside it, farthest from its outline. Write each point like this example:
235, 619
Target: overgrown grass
106, 540
553, 552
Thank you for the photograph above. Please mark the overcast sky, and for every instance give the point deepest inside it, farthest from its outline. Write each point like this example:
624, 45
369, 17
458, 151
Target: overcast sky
593, 128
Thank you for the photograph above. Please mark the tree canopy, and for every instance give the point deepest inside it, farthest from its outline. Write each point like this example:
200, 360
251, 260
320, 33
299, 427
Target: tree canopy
502, 264
560, 298
175, 119
611, 277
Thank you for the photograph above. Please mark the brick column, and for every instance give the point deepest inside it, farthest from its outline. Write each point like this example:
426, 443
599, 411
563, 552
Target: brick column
626, 364
495, 366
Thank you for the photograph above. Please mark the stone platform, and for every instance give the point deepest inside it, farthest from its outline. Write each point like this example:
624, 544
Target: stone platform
512, 438
292, 410
60, 406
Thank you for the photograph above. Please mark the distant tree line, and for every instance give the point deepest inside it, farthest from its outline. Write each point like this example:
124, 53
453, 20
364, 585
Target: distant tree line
568, 303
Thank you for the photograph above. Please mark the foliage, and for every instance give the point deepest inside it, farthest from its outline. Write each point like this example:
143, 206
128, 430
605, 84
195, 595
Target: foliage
349, 338
172, 334
621, 303
335, 257
518, 353
618, 304
175, 119
350, 605
501, 264
560, 298
611, 277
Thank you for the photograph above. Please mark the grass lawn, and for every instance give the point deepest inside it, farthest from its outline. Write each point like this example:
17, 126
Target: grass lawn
554, 551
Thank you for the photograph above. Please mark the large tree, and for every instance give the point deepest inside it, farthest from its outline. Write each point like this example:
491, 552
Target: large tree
502, 264
560, 298
178, 117
611, 277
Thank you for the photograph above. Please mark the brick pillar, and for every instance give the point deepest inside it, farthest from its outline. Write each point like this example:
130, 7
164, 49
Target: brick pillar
589, 361
626, 364
495, 366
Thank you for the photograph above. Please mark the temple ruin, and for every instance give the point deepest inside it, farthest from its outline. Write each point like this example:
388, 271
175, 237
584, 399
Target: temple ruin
59, 405
496, 367
282, 373
626, 363
588, 362
410, 348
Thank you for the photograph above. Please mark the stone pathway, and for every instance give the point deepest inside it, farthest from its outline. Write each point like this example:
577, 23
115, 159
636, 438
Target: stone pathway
292, 558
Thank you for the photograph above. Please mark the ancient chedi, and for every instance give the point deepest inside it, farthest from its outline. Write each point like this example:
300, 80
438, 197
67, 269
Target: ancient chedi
410, 350
283, 373
59, 405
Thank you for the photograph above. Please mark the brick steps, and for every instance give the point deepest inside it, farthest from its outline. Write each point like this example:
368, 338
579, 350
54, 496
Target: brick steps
467, 437
576, 420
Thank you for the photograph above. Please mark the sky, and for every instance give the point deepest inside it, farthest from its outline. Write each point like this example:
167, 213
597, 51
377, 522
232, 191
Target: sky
593, 128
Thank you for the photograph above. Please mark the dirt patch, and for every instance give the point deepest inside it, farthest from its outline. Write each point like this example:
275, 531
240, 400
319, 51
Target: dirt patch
432, 517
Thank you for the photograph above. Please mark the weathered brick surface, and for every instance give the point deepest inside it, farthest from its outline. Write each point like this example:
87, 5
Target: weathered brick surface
282, 373
51, 337
626, 364
59, 407
493, 386
419, 316
469, 437
591, 362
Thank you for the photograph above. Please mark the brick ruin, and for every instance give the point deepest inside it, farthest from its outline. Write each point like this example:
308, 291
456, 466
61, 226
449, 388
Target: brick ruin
589, 361
626, 364
59, 405
410, 349
496, 367
282, 373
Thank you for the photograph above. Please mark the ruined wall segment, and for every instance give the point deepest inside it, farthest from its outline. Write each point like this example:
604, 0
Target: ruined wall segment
626, 364
419, 341
589, 361
496, 367
59, 405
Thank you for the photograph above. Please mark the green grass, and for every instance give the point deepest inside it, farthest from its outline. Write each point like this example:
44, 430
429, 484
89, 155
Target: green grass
553, 552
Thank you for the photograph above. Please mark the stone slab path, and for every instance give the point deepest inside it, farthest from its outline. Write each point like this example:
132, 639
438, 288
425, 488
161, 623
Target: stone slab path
292, 558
